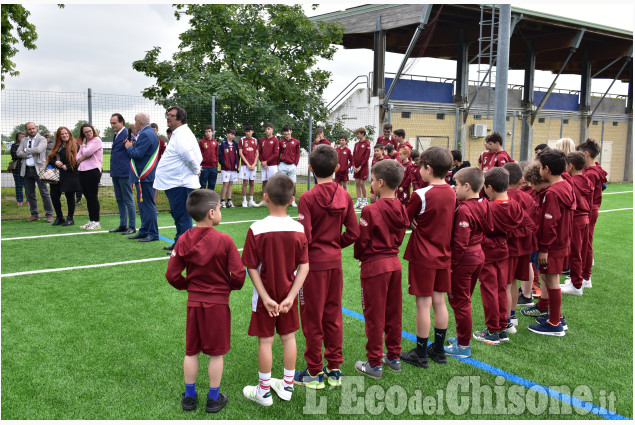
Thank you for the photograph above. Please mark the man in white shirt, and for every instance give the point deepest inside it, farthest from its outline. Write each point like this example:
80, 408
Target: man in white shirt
178, 170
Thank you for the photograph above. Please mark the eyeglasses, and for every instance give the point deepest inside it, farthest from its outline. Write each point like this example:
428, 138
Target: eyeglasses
170, 115
88, 132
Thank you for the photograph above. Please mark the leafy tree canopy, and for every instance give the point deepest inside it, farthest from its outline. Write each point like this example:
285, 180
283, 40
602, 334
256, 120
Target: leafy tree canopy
41, 129
258, 60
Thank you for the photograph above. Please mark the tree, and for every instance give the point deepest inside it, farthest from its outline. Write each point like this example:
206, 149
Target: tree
41, 129
78, 126
257, 60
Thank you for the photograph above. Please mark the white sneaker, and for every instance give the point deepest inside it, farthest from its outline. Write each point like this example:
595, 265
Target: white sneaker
223, 204
293, 204
261, 203
511, 329
566, 283
245, 204
251, 392
230, 204
569, 289
358, 203
94, 225
587, 283
253, 204
85, 226
283, 392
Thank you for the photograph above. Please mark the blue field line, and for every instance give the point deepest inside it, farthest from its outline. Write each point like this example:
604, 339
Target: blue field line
564, 398
163, 238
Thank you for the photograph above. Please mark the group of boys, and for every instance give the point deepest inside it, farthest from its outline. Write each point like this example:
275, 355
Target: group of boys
274, 155
452, 245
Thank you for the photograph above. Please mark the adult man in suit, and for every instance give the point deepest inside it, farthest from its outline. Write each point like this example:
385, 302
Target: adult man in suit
144, 155
33, 148
119, 170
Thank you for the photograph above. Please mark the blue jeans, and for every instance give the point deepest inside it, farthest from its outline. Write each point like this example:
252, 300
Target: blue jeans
177, 196
125, 201
147, 210
208, 178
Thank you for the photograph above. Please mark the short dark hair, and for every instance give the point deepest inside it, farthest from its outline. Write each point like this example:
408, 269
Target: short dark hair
287, 127
438, 158
515, 172
249, 127
199, 202
591, 146
495, 137
577, 159
169, 130
343, 136
119, 118
472, 175
181, 115
280, 189
555, 159
319, 130
379, 146
361, 130
388, 126
497, 178
323, 161
456, 155
154, 125
414, 154
268, 124
390, 172
208, 127
541, 147
389, 148
399, 132
531, 173
231, 131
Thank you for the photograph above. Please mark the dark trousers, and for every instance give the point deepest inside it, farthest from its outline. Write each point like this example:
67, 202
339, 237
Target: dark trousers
147, 210
19, 185
89, 182
208, 177
177, 196
125, 202
56, 196
30, 180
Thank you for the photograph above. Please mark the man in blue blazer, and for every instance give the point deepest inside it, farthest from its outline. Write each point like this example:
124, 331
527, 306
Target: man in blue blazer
119, 169
144, 156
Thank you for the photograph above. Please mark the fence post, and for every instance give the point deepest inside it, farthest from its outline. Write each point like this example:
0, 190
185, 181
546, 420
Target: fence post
602, 138
308, 173
90, 106
214, 112
561, 124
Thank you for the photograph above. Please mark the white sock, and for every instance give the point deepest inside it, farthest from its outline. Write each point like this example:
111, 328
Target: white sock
288, 378
244, 198
251, 198
264, 383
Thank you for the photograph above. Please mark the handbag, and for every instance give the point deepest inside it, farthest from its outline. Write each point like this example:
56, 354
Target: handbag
13, 165
49, 175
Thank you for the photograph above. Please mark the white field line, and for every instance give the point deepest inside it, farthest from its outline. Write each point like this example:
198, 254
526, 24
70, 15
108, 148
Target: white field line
618, 209
615, 193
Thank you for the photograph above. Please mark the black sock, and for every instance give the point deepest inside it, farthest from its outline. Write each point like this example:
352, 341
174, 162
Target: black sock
439, 339
422, 347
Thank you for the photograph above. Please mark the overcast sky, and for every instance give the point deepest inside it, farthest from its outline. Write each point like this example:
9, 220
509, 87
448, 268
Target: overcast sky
85, 45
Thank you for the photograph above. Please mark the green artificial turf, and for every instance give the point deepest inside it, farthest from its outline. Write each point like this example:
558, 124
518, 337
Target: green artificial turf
108, 342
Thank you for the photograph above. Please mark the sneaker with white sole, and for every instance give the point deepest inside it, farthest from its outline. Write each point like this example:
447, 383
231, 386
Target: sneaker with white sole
332, 376
94, 225
245, 204
569, 289
487, 337
524, 301
511, 329
293, 204
253, 204
547, 328
455, 350
223, 204
284, 392
513, 319
85, 226
230, 204
366, 369
587, 283
392, 364
533, 311
251, 393
305, 379
261, 203
358, 203
563, 322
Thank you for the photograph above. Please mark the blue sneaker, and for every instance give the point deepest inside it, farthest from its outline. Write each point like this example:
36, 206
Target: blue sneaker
333, 376
542, 319
533, 311
456, 351
547, 328
305, 379
451, 340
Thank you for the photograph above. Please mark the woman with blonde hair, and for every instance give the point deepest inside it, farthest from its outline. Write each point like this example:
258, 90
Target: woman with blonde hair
62, 156
566, 145
90, 158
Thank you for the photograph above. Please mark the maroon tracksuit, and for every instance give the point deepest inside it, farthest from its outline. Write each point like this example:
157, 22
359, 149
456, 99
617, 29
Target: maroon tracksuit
521, 247
269, 150
583, 189
381, 140
322, 211
209, 151
361, 153
381, 232
489, 160
321, 142
404, 195
345, 160
289, 151
554, 238
597, 175
470, 218
507, 216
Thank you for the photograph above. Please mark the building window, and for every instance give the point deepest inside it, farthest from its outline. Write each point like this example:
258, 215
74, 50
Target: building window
405, 115
615, 123
440, 116
565, 121
541, 120
477, 117
595, 123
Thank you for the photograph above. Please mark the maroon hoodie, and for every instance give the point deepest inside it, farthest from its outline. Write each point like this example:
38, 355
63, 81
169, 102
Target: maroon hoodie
508, 222
212, 262
323, 211
556, 218
597, 175
382, 227
471, 217
584, 190
518, 244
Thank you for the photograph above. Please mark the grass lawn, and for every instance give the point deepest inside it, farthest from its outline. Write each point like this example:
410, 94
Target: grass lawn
108, 342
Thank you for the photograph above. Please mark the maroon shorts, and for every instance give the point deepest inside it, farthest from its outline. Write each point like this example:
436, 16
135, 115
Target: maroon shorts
341, 177
423, 281
263, 325
519, 268
362, 174
554, 265
208, 329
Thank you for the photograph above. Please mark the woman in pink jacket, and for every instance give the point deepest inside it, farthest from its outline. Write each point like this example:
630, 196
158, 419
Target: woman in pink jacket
90, 157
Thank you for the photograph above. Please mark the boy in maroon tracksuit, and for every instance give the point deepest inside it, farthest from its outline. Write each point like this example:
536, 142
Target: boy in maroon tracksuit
289, 155
378, 155
507, 216
323, 211
520, 247
415, 176
494, 155
386, 138
470, 218
228, 158
431, 215
268, 152
583, 189
554, 238
361, 153
209, 166
320, 139
594, 172
344, 160
382, 228
213, 269
403, 192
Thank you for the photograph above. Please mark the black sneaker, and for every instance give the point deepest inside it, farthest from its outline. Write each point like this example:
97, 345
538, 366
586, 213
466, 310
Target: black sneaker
566, 272
58, 221
502, 336
215, 406
412, 358
524, 301
437, 357
188, 403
